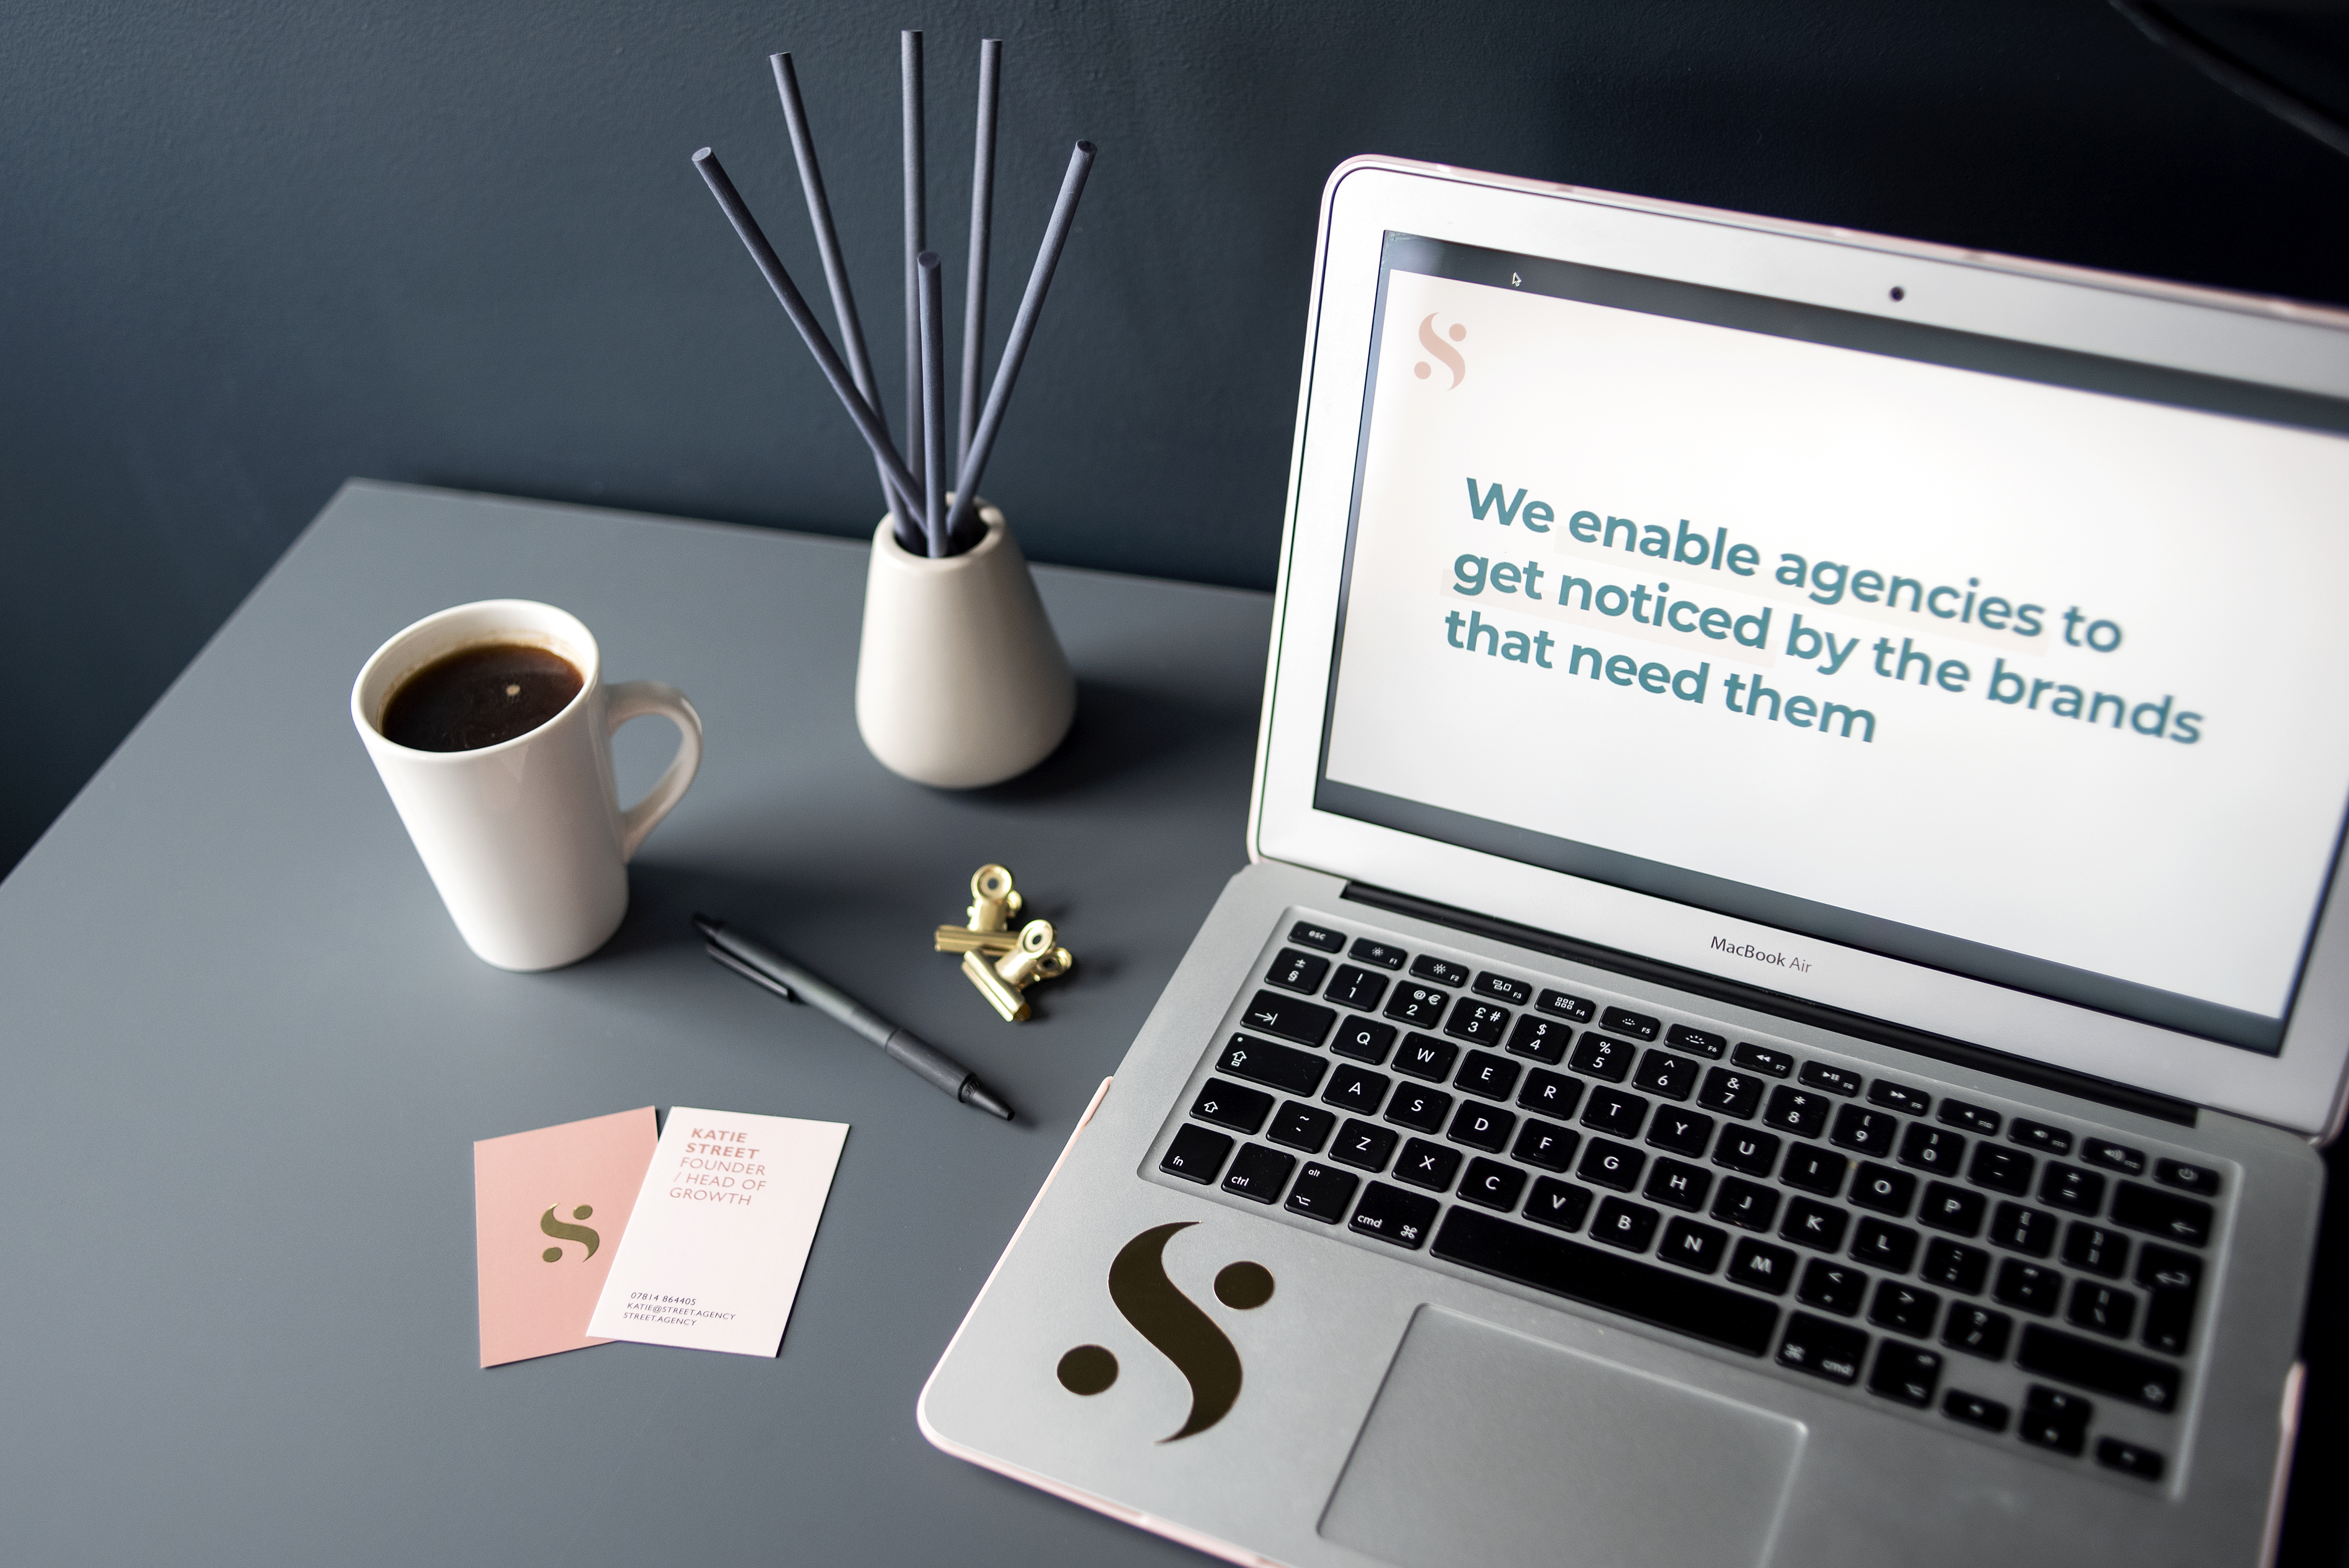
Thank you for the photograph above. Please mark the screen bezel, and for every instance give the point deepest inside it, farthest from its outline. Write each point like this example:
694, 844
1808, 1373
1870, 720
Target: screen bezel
2269, 343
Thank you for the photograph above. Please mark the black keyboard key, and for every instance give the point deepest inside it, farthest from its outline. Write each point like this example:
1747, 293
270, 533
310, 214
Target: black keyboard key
1682, 1131
1814, 1169
1630, 1226
1976, 1411
1883, 1190
2101, 1309
1802, 1112
1378, 952
1258, 1061
1420, 1109
1748, 1153
1662, 1073
1545, 1144
1759, 1265
1623, 1021
1501, 988
1484, 1127
1763, 1059
1353, 988
1730, 1092
1612, 1111
2100, 1368
1678, 1185
2027, 1231
1288, 1019
1814, 1224
2054, 1420
1363, 1145
1295, 971
1302, 1127
1425, 1056
1421, 1006
1899, 1098
1259, 1173
1907, 1373
2186, 1178
1692, 1246
1832, 1288
1478, 1023
1439, 971
2028, 1286
2164, 1214
1702, 1042
1428, 1165
1229, 1105
1391, 1214
1492, 1184
1364, 1039
1542, 1039
1972, 1117
1558, 1206
1885, 1246
1483, 1073
1748, 1205
2039, 1136
2000, 1169
2069, 1187
1647, 1292
2171, 1281
1606, 1164
1930, 1148
1321, 1193
1953, 1265
1601, 1057
1552, 1094
2096, 1248
1574, 1009
1357, 1089
1823, 1349
1305, 934
2130, 1458
1904, 1309
1978, 1331
1196, 1154
1834, 1079
1952, 1209
2113, 1157
1865, 1131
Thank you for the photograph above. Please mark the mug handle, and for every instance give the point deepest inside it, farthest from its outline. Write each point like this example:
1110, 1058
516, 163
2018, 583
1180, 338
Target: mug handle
624, 700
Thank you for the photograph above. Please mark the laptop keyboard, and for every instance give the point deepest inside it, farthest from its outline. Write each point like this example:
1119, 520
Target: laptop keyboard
1871, 1232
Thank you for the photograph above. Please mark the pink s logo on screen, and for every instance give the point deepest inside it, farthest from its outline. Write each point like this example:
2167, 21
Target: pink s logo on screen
1175, 1327
1442, 351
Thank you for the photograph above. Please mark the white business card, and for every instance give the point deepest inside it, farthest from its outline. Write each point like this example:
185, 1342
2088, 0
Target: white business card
719, 1236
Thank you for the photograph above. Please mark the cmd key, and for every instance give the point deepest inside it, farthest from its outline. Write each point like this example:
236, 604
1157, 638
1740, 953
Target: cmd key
1288, 1019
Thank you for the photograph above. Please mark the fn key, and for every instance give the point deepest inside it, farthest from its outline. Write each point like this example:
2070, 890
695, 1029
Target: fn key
1196, 1154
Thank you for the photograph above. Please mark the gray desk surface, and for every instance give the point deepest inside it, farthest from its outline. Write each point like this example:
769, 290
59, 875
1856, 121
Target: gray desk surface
245, 1055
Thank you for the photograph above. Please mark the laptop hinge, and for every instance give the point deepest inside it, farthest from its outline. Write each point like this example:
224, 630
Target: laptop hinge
1940, 1047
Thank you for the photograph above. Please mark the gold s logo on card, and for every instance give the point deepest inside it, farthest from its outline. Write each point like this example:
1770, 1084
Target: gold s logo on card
563, 1232
1175, 1327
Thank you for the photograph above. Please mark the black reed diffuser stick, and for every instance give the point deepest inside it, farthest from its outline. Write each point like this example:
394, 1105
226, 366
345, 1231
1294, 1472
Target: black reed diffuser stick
982, 218
909, 63
932, 291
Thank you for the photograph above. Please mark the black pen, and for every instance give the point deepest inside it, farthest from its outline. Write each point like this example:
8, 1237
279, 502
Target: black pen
764, 967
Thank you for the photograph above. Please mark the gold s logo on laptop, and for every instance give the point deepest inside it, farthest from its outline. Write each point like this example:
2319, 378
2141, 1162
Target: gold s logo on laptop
1442, 351
1174, 1326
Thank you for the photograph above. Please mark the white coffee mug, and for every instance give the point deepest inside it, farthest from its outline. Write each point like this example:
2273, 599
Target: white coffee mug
526, 839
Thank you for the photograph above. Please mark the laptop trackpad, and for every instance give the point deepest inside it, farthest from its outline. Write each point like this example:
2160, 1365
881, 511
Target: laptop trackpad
1486, 1447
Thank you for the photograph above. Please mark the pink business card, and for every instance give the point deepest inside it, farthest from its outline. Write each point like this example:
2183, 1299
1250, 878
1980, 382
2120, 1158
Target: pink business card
548, 1209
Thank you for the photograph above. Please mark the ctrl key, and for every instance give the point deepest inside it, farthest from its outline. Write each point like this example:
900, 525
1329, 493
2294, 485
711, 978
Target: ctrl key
1259, 1172
1196, 1154
1823, 1349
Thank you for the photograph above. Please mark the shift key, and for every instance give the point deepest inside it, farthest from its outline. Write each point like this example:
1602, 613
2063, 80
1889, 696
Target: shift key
1260, 1061
1290, 1018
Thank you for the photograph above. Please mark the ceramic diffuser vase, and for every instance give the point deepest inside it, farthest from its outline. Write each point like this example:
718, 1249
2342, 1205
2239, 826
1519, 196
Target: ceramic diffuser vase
960, 679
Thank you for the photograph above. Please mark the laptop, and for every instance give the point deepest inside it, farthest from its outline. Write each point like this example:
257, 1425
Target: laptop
1792, 969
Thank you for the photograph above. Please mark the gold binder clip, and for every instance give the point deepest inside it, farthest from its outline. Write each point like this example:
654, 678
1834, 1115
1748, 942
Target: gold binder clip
1036, 956
995, 903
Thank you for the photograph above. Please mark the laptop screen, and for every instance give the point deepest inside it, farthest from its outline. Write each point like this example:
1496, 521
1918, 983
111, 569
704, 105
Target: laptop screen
2015, 662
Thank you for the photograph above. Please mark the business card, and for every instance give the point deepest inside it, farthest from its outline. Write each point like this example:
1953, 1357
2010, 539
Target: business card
721, 1231
548, 1207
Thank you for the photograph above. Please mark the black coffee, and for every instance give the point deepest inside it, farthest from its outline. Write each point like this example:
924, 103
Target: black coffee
479, 697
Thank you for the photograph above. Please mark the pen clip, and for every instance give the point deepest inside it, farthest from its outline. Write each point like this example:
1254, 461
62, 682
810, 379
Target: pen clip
755, 976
